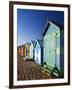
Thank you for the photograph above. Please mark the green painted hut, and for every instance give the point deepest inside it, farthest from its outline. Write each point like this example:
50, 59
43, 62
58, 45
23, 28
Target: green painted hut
54, 46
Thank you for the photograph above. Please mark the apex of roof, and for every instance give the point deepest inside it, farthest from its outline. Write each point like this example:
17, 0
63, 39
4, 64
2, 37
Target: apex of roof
33, 42
54, 23
40, 42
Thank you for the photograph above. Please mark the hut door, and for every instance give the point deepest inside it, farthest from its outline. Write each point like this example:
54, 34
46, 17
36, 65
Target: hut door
37, 58
37, 55
26, 52
51, 51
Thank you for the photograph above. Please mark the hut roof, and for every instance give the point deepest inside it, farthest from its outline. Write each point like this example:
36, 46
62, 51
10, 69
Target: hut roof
33, 42
40, 43
27, 44
54, 23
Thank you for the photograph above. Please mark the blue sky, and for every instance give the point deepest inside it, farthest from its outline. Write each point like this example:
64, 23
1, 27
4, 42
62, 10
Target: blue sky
31, 23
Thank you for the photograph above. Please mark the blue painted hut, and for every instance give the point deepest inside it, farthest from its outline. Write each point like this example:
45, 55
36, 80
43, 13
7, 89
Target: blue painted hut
38, 52
54, 45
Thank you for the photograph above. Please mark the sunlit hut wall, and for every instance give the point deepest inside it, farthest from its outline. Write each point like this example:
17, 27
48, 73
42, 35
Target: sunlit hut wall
32, 43
54, 45
19, 50
29, 51
23, 50
38, 51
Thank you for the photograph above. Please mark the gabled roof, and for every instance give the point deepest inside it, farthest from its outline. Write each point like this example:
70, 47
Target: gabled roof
27, 44
40, 43
55, 23
33, 42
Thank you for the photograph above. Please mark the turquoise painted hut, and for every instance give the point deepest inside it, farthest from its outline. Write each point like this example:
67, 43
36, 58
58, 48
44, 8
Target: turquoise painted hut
38, 52
54, 46
32, 43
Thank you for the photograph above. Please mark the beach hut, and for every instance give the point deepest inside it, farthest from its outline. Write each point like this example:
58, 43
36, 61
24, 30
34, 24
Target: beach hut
38, 52
19, 50
27, 50
32, 43
24, 50
54, 46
